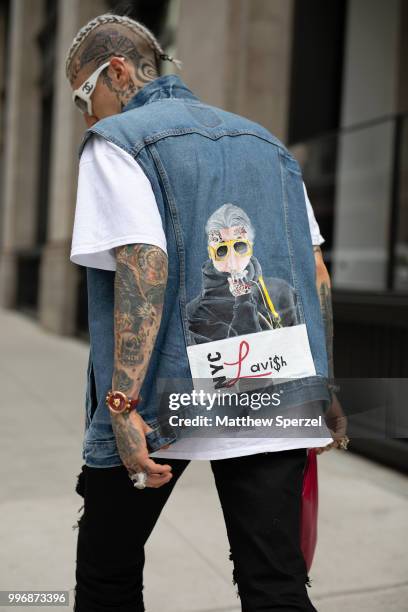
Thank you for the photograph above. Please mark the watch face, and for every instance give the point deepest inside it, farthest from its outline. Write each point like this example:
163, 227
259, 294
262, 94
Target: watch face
118, 401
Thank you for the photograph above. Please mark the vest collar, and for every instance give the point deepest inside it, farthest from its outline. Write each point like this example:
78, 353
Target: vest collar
167, 86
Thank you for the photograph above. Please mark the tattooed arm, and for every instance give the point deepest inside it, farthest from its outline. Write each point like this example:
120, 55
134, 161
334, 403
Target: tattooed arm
335, 419
324, 291
140, 282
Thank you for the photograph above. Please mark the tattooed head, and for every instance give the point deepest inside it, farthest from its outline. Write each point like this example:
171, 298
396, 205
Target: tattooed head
138, 35
135, 55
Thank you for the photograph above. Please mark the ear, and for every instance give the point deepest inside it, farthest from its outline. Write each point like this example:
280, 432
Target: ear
119, 70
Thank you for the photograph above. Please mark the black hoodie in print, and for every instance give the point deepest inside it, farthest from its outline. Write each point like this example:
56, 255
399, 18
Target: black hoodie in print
217, 314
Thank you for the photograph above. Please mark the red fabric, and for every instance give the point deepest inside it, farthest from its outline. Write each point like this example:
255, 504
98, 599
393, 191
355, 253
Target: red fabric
309, 509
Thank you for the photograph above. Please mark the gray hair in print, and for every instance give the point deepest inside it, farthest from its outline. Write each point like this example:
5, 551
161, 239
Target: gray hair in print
229, 215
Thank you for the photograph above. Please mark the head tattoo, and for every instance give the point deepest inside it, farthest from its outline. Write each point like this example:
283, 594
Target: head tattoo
117, 44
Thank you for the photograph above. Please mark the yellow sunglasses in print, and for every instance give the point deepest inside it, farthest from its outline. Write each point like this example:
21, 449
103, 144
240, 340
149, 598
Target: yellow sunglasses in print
241, 247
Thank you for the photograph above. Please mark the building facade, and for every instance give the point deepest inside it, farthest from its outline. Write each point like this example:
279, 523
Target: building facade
329, 79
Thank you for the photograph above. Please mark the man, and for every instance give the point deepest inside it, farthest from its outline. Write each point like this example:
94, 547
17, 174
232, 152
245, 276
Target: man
155, 163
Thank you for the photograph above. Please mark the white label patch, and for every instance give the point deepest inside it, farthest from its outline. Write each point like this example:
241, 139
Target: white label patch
278, 353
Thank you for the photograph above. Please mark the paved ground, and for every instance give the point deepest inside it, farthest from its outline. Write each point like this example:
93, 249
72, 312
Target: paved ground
361, 562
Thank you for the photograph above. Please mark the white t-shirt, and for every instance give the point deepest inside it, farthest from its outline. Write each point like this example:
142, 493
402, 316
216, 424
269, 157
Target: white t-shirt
116, 205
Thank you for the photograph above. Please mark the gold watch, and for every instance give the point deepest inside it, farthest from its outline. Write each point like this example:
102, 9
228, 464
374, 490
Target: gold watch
118, 402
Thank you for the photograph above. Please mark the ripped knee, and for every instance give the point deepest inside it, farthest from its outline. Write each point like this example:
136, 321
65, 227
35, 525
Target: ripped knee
234, 574
80, 489
80, 485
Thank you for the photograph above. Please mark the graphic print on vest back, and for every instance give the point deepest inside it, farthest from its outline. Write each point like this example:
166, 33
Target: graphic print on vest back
243, 327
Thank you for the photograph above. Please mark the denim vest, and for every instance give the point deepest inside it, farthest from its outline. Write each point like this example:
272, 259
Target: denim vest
199, 158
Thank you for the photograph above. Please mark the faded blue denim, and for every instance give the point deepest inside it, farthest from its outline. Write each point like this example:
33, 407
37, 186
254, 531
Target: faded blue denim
197, 157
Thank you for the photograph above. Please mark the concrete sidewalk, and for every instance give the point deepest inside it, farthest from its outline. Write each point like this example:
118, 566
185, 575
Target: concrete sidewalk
361, 562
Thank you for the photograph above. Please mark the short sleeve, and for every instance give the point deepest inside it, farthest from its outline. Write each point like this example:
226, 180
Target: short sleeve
115, 206
317, 238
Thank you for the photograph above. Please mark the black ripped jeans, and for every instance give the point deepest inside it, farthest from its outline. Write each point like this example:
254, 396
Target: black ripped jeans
260, 498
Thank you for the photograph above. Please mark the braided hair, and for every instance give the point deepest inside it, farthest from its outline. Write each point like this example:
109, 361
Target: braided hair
131, 24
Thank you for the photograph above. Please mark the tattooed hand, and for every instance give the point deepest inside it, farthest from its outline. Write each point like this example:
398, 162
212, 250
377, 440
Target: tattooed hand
336, 421
130, 432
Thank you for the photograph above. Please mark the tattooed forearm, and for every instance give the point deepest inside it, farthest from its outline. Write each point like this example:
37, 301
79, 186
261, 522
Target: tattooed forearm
326, 308
129, 440
140, 281
324, 291
123, 381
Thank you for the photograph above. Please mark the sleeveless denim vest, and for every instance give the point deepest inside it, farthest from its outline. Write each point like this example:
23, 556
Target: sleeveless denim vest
210, 170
